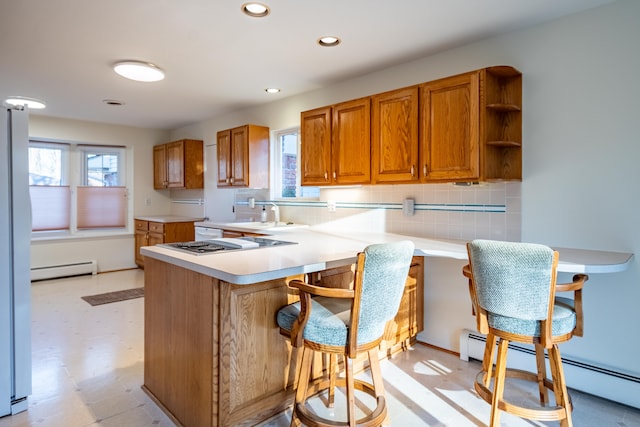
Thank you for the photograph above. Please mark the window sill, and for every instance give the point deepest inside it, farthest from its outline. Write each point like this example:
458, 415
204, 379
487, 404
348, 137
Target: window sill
59, 236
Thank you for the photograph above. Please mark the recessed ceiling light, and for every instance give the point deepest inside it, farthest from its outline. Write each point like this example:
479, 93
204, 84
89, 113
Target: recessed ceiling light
272, 90
21, 101
139, 71
328, 41
113, 102
255, 10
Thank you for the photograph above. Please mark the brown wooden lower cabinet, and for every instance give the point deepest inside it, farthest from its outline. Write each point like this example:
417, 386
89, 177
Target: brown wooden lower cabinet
213, 352
150, 233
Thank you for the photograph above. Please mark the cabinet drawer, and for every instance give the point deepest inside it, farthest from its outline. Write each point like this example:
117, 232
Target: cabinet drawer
156, 227
141, 225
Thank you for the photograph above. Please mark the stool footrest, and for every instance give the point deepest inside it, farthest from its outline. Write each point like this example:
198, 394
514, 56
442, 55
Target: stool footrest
544, 413
375, 418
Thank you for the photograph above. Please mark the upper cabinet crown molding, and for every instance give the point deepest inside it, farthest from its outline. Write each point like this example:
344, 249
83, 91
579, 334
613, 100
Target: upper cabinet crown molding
178, 164
466, 127
243, 157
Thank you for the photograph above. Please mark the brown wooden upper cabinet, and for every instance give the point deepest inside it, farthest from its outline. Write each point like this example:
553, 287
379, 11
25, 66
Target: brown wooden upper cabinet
466, 127
451, 128
336, 144
394, 139
243, 157
471, 126
178, 164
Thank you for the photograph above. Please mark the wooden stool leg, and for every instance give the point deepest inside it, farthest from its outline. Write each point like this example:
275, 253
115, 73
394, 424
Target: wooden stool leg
542, 375
487, 359
333, 358
376, 374
350, 385
303, 383
559, 385
498, 387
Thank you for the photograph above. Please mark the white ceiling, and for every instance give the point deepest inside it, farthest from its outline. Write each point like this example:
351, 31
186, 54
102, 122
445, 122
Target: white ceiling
217, 59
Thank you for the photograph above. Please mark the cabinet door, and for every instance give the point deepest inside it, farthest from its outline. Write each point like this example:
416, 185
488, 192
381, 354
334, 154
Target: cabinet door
224, 158
450, 121
240, 156
394, 143
175, 164
351, 142
141, 239
159, 167
316, 146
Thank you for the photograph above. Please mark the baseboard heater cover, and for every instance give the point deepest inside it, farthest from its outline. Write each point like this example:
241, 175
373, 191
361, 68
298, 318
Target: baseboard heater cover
64, 270
599, 381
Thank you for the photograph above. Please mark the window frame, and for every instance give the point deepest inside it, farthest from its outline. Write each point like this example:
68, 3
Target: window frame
276, 167
74, 175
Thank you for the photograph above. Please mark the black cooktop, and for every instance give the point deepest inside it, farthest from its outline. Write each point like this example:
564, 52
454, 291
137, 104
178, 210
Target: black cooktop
203, 247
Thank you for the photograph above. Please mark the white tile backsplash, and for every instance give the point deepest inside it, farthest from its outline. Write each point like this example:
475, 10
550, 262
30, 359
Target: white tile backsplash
442, 210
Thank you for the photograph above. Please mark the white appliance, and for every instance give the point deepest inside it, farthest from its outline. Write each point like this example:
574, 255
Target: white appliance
15, 253
206, 233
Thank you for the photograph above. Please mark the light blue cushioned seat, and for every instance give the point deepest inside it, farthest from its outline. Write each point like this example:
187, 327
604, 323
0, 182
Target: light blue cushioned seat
385, 264
564, 321
328, 321
322, 322
513, 290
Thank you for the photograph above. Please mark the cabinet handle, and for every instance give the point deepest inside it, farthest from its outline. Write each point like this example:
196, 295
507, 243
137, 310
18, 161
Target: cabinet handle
231, 180
413, 170
326, 175
226, 180
425, 170
334, 175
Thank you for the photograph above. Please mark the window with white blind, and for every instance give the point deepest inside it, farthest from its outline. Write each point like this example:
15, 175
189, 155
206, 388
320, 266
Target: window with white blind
77, 187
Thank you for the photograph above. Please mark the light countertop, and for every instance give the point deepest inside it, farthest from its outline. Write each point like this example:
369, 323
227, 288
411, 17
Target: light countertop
318, 250
167, 218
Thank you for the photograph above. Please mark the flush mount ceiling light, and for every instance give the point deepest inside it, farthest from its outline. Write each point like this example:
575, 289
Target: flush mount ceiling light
272, 90
21, 101
328, 41
139, 71
255, 10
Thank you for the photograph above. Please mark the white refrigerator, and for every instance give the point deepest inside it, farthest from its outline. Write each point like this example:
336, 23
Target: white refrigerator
15, 265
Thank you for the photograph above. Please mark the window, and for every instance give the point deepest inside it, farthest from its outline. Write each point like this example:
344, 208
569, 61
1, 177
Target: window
286, 154
62, 200
102, 200
100, 166
50, 196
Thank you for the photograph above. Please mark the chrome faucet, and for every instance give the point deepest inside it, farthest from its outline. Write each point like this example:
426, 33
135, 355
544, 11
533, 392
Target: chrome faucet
276, 214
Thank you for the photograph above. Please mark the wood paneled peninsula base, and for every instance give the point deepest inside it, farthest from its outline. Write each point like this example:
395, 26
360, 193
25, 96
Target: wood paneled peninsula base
213, 352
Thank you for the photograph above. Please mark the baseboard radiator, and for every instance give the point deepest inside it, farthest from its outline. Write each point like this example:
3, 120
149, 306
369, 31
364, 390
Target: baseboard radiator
597, 380
64, 270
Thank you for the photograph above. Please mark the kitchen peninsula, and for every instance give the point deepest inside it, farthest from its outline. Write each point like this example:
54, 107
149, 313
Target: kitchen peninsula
213, 352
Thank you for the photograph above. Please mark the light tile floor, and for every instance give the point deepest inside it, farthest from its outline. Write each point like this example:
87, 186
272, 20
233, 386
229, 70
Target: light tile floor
88, 369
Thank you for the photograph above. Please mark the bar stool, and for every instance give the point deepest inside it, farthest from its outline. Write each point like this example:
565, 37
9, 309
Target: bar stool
347, 322
513, 291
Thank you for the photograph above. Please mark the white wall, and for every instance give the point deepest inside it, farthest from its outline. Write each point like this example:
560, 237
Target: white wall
580, 116
116, 252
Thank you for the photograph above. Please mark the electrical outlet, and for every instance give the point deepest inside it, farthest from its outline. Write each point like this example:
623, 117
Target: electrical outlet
408, 207
331, 205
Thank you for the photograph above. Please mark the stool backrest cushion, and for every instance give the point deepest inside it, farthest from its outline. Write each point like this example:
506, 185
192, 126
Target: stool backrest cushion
383, 280
512, 279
